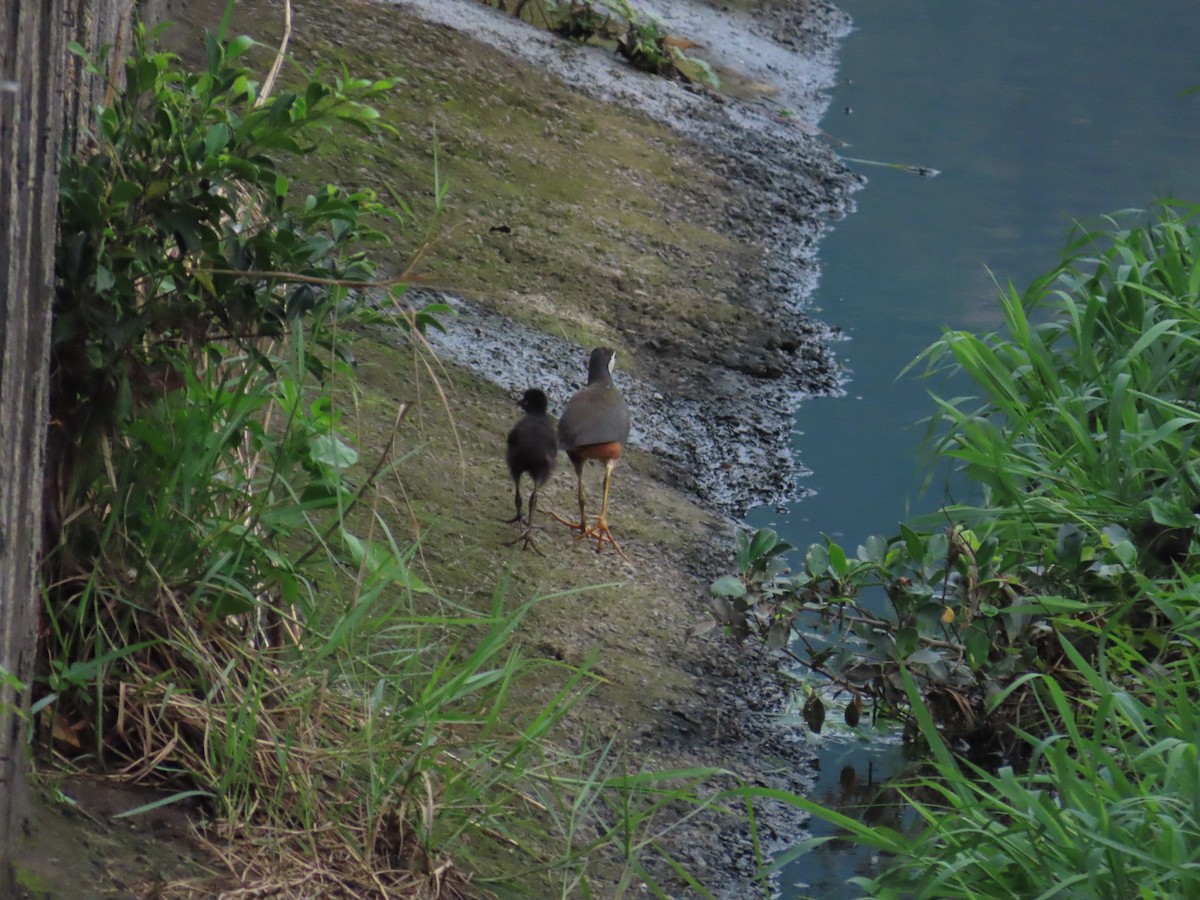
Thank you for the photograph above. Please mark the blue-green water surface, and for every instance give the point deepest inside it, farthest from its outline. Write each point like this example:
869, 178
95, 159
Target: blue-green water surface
1037, 114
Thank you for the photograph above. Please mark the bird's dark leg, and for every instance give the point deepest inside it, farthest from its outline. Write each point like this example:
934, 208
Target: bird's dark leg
517, 491
527, 529
532, 505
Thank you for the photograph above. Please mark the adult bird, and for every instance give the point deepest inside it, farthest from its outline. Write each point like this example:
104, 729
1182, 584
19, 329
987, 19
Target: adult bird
533, 450
595, 425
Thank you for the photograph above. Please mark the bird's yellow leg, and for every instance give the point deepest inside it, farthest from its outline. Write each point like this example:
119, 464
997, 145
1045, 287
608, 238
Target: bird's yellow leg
601, 532
582, 506
581, 526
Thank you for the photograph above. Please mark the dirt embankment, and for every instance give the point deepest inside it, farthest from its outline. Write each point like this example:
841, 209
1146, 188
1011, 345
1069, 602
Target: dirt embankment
704, 291
592, 205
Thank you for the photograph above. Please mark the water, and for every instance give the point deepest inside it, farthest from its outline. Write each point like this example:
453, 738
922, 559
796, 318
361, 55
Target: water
1036, 114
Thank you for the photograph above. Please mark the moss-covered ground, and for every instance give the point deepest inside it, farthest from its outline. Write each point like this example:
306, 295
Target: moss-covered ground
571, 215
583, 220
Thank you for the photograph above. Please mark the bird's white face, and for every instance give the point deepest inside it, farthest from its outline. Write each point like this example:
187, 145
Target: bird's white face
612, 362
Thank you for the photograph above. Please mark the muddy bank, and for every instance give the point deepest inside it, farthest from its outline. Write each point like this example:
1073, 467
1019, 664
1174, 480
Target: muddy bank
589, 204
713, 388
720, 434
714, 397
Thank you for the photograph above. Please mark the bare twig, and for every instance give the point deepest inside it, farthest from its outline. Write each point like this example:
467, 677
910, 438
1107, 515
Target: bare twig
269, 84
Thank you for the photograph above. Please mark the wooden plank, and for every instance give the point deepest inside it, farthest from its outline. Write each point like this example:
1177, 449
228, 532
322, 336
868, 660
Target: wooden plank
32, 47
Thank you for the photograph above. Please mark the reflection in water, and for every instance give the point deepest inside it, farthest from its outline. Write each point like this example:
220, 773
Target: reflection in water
853, 779
1036, 114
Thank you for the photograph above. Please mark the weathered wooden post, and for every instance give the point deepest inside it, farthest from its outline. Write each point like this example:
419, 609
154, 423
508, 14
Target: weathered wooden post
47, 102
32, 59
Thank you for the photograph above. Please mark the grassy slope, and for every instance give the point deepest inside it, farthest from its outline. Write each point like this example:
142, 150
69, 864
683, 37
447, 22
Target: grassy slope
610, 238
611, 216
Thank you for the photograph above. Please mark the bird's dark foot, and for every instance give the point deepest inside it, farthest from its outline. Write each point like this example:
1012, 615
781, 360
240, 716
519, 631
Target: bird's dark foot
526, 540
516, 518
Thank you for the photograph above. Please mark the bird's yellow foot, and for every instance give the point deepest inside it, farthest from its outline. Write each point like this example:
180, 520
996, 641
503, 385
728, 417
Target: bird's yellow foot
585, 530
574, 526
600, 532
597, 531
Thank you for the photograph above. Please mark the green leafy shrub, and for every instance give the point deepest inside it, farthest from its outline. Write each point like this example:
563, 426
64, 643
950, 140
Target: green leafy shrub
1087, 410
639, 37
222, 614
1105, 806
189, 285
1082, 443
947, 606
1059, 612
581, 20
178, 228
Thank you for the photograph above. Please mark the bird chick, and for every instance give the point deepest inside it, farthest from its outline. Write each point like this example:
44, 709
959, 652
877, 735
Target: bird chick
533, 450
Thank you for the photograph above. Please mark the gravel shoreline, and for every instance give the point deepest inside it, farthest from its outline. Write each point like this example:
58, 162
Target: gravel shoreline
716, 408
713, 402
